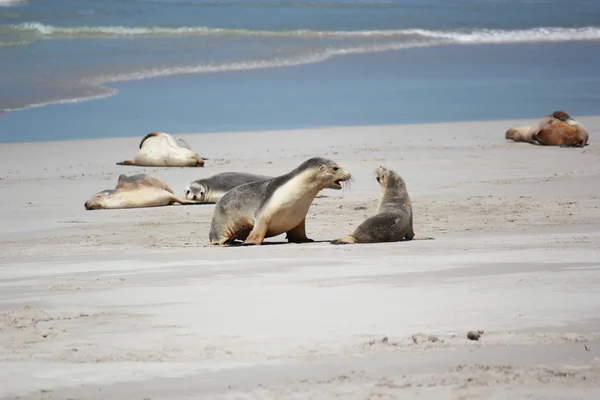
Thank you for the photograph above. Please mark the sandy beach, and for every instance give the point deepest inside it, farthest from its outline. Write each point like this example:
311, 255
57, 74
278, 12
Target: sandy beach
134, 304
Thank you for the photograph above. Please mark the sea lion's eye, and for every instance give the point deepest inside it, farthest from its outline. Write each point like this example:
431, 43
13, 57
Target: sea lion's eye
187, 192
335, 169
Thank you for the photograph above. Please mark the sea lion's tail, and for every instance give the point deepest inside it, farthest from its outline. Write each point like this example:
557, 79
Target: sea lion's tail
126, 162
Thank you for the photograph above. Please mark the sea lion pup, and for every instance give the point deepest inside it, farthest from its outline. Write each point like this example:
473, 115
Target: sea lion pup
158, 149
210, 190
559, 129
257, 210
394, 219
135, 191
556, 129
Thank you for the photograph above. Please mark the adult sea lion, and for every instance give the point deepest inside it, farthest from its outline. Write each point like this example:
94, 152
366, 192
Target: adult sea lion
556, 129
257, 210
559, 129
158, 149
394, 219
210, 190
135, 191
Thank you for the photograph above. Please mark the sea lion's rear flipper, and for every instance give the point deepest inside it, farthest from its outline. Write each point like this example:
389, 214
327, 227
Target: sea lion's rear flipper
126, 162
234, 237
348, 239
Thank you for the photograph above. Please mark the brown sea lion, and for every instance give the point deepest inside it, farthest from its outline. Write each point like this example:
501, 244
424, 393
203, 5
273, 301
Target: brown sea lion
556, 129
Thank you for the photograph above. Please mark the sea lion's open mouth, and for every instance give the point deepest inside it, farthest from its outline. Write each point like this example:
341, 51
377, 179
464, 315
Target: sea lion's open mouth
337, 184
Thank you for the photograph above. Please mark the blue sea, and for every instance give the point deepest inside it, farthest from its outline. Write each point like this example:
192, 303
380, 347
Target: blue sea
91, 68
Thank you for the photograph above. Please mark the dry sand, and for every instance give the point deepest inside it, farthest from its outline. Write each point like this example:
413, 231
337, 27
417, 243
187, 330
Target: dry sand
131, 304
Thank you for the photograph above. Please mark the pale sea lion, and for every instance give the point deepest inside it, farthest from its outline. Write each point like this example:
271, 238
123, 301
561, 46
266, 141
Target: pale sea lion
210, 190
257, 210
394, 219
158, 149
556, 129
135, 191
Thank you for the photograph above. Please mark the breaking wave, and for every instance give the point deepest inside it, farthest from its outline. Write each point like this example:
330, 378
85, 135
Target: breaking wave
541, 34
7, 3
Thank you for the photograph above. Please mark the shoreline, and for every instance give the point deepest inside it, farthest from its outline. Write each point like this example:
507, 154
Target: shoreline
275, 132
518, 121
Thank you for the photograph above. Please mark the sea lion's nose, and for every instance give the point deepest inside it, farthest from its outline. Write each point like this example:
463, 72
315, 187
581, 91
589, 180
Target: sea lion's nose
86, 205
195, 197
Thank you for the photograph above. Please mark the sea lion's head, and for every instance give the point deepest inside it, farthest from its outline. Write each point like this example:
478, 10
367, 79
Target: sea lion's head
328, 173
101, 200
512, 134
195, 191
561, 116
389, 179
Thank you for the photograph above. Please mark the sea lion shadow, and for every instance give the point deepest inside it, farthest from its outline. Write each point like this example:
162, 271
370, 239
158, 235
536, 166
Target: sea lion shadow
203, 203
335, 243
278, 243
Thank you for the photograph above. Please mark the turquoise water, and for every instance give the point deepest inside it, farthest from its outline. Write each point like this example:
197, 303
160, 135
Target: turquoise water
202, 66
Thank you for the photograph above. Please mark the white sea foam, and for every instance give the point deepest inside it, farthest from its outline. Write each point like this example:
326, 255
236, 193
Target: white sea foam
103, 93
539, 34
8, 3
309, 58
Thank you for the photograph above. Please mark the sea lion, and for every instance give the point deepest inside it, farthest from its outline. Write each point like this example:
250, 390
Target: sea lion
556, 129
210, 190
254, 211
158, 149
135, 191
394, 219
559, 129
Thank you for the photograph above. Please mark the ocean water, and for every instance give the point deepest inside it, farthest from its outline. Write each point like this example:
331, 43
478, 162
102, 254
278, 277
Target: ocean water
89, 68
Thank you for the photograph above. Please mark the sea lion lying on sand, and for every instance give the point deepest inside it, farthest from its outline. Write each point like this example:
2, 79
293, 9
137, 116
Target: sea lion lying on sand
135, 191
257, 210
159, 149
210, 190
556, 129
